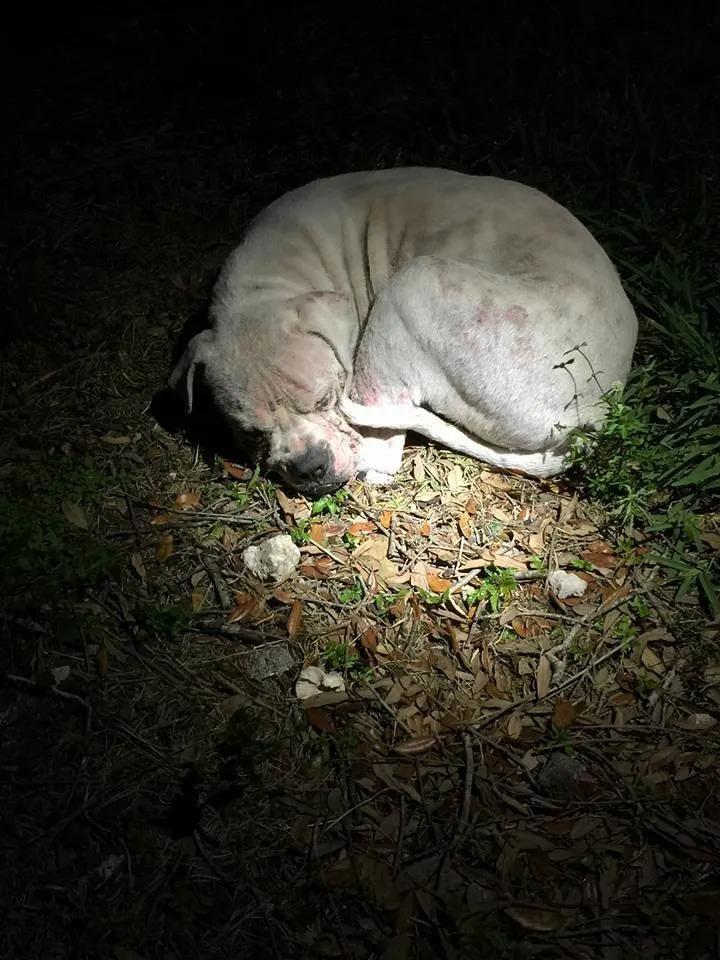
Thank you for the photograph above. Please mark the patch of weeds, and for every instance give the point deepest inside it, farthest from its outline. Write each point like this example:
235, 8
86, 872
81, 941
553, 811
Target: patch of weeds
580, 564
655, 463
239, 494
300, 533
645, 683
166, 622
351, 594
46, 536
505, 636
478, 846
346, 741
343, 658
640, 607
350, 540
432, 598
561, 739
479, 938
329, 505
624, 632
497, 587
383, 601
537, 563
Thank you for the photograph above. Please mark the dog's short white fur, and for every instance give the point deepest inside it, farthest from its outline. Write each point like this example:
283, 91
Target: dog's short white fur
473, 310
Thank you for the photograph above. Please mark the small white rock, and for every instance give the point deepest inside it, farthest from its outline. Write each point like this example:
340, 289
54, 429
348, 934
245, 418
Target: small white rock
313, 680
564, 584
275, 559
60, 674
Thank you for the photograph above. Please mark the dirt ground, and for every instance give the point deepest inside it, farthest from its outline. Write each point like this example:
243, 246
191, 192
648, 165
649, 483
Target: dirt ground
503, 773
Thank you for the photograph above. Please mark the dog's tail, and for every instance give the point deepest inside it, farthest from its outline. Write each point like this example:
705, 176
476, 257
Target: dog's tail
542, 464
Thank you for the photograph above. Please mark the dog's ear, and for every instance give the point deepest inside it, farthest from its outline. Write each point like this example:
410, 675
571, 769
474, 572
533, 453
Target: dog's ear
332, 317
197, 352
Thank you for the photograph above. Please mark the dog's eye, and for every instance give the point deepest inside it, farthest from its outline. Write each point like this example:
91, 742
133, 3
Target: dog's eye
327, 400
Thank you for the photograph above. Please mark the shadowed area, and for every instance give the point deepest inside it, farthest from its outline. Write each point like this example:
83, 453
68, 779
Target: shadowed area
491, 760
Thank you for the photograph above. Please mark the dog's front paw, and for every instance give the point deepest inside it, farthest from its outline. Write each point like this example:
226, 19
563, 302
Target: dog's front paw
376, 478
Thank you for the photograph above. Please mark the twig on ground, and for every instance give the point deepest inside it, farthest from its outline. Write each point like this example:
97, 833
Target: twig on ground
221, 588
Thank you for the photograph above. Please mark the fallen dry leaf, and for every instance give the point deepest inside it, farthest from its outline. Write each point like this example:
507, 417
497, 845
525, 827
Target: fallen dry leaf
535, 918
75, 514
415, 745
465, 526
319, 569
161, 519
697, 721
165, 548
317, 532
238, 473
495, 481
187, 501
471, 506
564, 713
386, 519
360, 526
425, 529
437, 584
294, 621
543, 676
138, 566
245, 608
102, 660
368, 639
515, 725
320, 719
613, 596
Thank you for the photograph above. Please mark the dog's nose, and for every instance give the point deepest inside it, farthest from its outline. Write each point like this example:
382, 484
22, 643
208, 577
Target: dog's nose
312, 465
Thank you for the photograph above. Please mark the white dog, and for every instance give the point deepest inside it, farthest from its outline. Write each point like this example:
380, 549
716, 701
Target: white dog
473, 310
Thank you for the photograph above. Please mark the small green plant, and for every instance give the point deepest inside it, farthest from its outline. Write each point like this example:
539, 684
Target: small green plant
342, 657
641, 607
331, 504
645, 683
537, 563
432, 598
561, 739
167, 622
624, 632
580, 564
351, 594
479, 938
301, 532
383, 601
497, 587
655, 463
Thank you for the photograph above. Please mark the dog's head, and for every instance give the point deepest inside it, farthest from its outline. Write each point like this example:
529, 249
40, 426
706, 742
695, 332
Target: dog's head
280, 375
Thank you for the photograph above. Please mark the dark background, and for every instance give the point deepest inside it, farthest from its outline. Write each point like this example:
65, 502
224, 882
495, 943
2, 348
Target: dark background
188, 120
136, 143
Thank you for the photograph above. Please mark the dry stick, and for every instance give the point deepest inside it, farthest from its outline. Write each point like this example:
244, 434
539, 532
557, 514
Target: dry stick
464, 809
556, 653
236, 630
398, 721
469, 774
400, 837
221, 588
